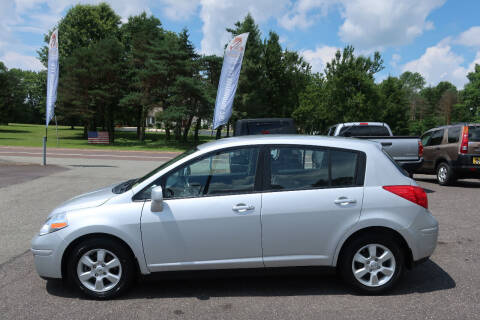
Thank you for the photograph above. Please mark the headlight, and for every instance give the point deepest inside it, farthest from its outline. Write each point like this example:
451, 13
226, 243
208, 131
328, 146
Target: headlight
54, 223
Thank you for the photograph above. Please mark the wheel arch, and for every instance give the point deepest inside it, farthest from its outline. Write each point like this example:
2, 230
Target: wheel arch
389, 232
440, 160
72, 244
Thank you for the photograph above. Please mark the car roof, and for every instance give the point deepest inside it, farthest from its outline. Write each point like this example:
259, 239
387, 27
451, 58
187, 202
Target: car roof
265, 120
367, 123
338, 142
452, 125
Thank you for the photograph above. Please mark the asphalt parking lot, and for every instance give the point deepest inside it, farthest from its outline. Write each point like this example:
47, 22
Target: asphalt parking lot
446, 287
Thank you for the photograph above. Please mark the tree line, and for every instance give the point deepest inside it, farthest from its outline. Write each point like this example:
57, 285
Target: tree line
116, 74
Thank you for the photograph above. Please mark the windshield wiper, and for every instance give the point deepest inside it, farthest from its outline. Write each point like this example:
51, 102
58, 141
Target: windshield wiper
124, 186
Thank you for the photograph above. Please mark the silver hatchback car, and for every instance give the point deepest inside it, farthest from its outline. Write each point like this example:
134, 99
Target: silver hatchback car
246, 202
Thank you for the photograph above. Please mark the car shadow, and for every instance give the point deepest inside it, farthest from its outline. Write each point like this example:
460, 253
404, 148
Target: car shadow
458, 183
427, 277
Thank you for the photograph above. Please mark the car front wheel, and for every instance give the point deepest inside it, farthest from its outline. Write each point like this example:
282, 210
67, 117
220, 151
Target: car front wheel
101, 268
372, 264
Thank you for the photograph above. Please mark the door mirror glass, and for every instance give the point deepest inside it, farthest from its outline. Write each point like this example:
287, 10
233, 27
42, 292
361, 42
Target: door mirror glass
157, 199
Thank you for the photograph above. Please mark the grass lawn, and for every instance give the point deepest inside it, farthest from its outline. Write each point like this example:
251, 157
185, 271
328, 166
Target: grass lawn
31, 135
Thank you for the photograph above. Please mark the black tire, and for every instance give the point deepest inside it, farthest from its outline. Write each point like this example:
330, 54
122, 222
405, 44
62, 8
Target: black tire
345, 265
445, 175
127, 265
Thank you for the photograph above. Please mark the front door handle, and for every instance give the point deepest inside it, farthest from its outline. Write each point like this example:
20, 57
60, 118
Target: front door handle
343, 201
242, 207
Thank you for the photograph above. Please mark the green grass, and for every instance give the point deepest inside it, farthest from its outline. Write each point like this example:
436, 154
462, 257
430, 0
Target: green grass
31, 135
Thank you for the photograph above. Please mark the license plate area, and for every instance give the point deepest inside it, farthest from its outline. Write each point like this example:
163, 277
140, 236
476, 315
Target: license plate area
476, 160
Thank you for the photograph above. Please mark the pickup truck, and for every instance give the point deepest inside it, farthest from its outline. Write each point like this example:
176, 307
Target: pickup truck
264, 126
406, 151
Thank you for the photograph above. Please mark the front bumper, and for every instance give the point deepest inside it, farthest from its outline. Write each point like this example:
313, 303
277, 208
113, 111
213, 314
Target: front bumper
47, 255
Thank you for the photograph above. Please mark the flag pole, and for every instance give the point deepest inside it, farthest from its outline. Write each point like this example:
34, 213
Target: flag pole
56, 128
45, 147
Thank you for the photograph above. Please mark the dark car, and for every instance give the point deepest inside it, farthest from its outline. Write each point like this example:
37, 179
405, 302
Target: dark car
245, 127
452, 152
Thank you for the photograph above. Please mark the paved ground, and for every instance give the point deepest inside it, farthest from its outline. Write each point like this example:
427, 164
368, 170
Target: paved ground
447, 287
84, 154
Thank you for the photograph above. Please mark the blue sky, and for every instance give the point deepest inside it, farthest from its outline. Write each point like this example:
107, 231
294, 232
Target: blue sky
438, 38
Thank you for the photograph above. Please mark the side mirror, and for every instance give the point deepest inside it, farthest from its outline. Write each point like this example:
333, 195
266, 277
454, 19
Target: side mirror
157, 199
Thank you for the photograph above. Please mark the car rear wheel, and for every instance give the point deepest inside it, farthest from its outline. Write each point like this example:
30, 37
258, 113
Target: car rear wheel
372, 263
445, 175
101, 268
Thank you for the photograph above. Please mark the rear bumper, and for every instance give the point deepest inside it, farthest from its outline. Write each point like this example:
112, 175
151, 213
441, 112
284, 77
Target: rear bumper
423, 235
411, 166
464, 166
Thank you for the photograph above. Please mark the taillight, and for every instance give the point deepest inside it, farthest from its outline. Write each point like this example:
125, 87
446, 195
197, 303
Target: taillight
464, 145
420, 149
412, 193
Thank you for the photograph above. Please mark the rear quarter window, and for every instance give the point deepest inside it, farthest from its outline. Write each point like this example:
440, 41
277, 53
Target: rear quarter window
399, 168
454, 134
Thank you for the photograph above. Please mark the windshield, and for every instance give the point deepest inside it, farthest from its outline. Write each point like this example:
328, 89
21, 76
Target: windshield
474, 133
127, 185
363, 131
163, 166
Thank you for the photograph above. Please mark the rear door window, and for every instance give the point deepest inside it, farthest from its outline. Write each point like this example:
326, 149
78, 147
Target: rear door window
344, 168
437, 137
297, 168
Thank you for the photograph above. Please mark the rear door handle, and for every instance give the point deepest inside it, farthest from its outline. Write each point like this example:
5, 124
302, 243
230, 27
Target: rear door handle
386, 144
343, 201
241, 208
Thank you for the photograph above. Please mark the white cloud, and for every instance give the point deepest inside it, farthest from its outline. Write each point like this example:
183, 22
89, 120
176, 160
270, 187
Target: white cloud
471, 66
470, 38
24, 62
440, 63
377, 24
368, 24
395, 60
39, 16
304, 13
180, 9
319, 57
219, 15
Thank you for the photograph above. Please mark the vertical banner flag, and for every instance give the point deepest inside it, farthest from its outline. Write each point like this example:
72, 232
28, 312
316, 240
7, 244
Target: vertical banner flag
52, 76
232, 64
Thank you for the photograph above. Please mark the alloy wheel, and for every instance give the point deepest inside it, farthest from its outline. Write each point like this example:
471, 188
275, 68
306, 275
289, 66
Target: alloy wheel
442, 174
373, 265
99, 270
